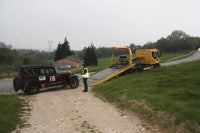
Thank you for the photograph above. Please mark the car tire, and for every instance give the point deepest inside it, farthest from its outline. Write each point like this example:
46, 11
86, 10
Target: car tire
31, 88
16, 84
73, 83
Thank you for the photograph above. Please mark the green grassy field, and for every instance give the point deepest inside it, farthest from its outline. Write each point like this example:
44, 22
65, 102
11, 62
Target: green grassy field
5, 75
166, 56
169, 96
10, 108
102, 63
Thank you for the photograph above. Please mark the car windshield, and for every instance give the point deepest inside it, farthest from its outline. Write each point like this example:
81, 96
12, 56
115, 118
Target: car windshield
50, 71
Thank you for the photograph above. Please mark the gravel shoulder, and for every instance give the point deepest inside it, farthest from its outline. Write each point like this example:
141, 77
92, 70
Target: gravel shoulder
71, 110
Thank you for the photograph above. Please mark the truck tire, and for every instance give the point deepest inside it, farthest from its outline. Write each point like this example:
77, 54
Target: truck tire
31, 88
156, 66
73, 82
140, 69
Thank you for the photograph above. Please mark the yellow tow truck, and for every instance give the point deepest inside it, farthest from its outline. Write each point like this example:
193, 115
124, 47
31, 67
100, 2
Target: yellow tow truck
143, 58
151, 57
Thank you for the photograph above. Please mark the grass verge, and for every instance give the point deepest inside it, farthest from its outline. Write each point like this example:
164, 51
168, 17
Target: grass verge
10, 109
166, 56
102, 63
168, 96
5, 75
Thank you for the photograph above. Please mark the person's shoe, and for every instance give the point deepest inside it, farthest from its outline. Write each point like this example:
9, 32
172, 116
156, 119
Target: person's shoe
84, 90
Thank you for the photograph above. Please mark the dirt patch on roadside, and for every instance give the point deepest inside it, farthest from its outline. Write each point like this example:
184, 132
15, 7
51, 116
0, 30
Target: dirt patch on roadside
71, 110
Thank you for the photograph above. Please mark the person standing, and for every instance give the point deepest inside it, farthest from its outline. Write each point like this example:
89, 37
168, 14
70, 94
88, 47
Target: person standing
85, 76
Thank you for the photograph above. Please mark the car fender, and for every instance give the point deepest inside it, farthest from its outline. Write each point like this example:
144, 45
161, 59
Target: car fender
68, 79
72, 76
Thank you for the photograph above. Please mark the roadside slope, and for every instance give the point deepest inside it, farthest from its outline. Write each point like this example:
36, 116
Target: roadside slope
168, 96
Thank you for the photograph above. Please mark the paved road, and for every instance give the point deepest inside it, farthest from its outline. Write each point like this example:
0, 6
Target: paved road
6, 85
195, 56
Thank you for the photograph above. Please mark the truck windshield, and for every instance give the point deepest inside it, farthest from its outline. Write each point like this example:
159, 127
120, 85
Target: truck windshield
158, 54
154, 55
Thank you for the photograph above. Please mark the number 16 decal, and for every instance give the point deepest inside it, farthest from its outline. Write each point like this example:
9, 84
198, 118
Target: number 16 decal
52, 78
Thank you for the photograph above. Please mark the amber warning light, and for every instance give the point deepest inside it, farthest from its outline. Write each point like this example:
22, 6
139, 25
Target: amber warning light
122, 47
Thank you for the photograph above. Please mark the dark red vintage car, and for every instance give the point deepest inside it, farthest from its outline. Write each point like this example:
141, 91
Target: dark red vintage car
32, 78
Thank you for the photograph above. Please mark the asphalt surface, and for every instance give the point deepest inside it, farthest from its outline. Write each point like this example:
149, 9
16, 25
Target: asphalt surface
6, 84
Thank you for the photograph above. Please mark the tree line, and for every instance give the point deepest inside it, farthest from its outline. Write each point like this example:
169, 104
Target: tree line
177, 41
17, 57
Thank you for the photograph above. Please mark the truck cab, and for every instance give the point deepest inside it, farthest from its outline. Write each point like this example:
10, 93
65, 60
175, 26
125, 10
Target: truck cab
151, 57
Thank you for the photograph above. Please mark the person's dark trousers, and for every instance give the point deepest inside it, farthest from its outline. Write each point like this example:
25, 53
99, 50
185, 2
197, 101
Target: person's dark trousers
85, 84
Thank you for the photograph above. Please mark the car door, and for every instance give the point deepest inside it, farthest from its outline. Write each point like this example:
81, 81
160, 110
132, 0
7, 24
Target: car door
41, 76
51, 75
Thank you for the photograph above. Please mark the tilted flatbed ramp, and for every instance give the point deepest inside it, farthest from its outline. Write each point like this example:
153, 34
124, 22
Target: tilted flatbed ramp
107, 74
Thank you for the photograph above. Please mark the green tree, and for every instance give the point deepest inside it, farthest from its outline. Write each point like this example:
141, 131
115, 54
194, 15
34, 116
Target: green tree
8, 56
26, 61
58, 54
162, 45
81, 53
192, 43
177, 35
104, 51
63, 50
177, 41
134, 47
90, 58
149, 45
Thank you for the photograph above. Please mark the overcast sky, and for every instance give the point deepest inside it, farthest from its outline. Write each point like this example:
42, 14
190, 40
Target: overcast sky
34, 23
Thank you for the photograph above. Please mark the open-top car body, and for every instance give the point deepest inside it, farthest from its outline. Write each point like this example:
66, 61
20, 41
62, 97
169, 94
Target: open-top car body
31, 78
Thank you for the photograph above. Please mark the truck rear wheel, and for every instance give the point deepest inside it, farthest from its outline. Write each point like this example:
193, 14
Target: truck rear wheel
140, 69
156, 65
73, 83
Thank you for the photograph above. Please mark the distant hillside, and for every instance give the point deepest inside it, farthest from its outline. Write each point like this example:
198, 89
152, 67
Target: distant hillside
44, 55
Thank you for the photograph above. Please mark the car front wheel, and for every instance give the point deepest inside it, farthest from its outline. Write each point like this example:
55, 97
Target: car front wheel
73, 83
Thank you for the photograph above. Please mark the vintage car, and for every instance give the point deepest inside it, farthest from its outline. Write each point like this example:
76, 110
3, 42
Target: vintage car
31, 78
